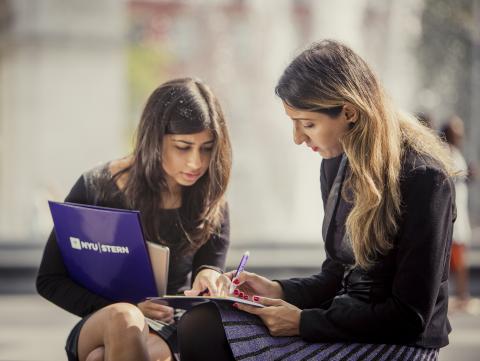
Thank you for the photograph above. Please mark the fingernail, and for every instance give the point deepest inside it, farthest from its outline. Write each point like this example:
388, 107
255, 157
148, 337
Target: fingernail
256, 298
235, 305
245, 297
236, 292
241, 294
236, 281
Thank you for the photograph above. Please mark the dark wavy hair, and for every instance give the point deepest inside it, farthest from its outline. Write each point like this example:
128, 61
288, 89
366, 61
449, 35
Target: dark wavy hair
180, 106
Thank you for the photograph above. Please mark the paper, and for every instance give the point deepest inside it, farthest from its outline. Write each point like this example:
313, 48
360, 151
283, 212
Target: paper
187, 302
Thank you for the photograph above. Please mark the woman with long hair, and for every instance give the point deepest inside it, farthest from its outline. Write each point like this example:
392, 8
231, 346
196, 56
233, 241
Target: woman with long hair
177, 177
389, 211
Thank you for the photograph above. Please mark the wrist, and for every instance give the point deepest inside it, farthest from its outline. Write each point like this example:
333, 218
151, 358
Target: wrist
276, 290
208, 267
299, 321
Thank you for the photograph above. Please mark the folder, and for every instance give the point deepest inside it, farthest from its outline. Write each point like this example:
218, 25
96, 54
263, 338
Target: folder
104, 250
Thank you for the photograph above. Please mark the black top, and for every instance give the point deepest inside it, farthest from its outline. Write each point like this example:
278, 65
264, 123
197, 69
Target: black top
403, 298
328, 172
342, 250
96, 187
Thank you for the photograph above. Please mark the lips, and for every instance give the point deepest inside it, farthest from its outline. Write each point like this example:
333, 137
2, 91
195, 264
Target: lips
191, 176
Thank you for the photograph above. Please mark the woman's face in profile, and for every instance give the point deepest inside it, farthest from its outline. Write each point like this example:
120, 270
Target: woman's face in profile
318, 131
186, 157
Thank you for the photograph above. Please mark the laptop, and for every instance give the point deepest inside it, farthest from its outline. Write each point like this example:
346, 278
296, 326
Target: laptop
104, 250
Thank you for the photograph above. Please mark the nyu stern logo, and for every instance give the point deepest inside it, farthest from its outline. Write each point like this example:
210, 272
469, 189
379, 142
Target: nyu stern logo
76, 243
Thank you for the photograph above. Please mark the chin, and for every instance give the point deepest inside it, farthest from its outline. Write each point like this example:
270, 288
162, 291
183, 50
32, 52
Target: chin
185, 183
189, 184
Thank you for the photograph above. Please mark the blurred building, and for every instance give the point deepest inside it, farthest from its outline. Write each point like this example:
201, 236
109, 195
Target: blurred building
74, 75
62, 104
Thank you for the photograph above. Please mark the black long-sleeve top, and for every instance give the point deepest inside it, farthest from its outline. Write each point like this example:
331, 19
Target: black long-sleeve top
407, 302
96, 187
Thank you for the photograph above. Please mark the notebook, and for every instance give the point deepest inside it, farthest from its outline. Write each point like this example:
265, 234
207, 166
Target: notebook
187, 302
104, 250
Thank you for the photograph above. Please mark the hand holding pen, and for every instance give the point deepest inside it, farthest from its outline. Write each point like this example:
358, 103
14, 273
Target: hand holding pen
239, 283
240, 269
223, 285
247, 285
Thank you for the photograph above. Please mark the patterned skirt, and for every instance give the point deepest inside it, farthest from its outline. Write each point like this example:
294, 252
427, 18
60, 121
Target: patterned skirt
250, 340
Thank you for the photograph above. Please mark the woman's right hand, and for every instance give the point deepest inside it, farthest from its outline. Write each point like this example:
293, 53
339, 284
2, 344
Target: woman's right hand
156, 311
252, 284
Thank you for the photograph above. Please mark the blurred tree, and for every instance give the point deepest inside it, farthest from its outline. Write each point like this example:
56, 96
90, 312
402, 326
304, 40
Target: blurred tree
445, 52
146, 64
449, 55
150, 54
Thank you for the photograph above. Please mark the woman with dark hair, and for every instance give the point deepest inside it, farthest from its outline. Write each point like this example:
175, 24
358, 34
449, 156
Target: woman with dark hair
389, 210
177, 177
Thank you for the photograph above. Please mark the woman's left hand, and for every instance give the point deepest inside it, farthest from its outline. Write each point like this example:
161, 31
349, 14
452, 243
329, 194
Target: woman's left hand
157, 311
280, 317
207, 280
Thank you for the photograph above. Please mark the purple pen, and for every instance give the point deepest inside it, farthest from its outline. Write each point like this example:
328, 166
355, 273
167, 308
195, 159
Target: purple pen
240, 268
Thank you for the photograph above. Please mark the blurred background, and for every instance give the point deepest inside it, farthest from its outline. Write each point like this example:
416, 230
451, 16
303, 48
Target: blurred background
75, 74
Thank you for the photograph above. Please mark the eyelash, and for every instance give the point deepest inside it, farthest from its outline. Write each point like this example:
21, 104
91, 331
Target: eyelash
188, 148
308, 126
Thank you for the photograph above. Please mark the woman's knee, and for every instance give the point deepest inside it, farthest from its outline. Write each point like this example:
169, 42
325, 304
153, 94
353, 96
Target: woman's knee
200, 324
125, 317
158, 349
201, 335
120, 324
96, 355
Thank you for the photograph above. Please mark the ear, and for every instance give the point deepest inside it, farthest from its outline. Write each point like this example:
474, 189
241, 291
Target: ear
351, 113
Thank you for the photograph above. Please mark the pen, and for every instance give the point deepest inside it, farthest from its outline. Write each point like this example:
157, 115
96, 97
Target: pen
240, 268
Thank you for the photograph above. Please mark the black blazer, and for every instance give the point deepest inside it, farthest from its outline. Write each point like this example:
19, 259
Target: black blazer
403, 298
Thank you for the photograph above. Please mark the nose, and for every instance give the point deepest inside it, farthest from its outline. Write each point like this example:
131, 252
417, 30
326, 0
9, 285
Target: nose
195, 160
298, 135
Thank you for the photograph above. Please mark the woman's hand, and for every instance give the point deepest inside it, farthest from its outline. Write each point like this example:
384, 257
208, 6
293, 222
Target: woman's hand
206, 280
156, 311
280, 317
249, 284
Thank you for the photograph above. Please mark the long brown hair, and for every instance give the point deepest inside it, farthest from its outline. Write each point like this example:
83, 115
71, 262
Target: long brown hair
180, 106
322, 79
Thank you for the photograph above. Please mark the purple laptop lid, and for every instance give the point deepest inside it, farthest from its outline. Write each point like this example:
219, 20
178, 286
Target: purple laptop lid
104, 250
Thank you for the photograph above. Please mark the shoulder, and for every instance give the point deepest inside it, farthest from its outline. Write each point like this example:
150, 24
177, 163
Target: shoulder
83, 190
98, 182
415, 165
96, 175
423, 174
